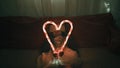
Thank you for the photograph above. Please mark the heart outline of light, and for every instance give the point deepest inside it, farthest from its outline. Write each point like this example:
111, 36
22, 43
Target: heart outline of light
58, 27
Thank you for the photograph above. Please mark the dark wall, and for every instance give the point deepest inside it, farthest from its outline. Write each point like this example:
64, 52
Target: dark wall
115, 10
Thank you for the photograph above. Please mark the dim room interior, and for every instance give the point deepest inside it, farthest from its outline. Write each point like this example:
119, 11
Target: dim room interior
96, 30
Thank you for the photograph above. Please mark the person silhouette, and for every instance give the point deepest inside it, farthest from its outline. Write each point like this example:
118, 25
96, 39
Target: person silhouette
69, 58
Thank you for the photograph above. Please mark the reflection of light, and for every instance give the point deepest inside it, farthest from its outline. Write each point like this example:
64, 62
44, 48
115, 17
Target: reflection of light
56, 62
57, 28
107, 5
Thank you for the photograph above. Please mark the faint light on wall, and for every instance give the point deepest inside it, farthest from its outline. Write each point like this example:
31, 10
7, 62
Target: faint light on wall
107, 5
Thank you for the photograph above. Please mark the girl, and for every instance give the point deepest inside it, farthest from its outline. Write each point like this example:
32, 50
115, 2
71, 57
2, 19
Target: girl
69, 58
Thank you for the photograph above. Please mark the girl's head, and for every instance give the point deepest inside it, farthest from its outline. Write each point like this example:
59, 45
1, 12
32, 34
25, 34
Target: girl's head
57, 36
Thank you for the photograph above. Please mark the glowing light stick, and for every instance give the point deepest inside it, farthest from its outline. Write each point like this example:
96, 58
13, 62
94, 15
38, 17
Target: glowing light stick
57, 27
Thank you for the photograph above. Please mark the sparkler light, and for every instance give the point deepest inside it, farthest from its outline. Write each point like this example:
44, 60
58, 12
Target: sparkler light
57, 27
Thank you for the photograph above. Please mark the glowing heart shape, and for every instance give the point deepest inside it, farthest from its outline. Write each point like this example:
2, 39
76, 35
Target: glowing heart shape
57, 28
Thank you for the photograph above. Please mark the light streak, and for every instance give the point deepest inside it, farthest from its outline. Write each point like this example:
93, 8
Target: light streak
57, 27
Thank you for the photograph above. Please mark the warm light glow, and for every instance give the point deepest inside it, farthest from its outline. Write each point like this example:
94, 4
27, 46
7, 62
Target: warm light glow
58, 27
